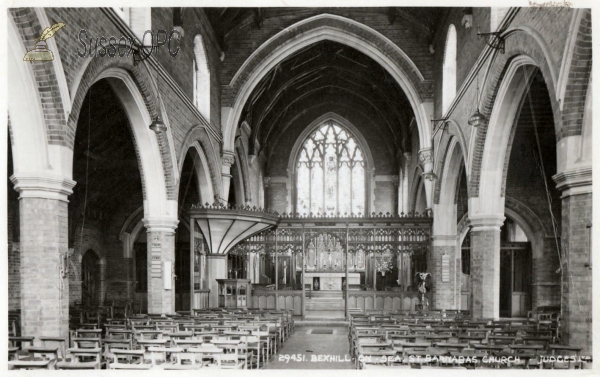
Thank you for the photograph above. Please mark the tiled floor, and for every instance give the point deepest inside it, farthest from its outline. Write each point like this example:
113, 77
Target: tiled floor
306, 350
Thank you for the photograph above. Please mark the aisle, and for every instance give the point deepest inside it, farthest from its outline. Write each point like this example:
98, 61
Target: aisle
314, 347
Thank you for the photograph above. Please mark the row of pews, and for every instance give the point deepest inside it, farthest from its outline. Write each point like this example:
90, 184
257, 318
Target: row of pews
452, 340
217, 338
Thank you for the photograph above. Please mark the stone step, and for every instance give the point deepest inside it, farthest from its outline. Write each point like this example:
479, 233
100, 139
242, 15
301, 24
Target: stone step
325, 306
319, 294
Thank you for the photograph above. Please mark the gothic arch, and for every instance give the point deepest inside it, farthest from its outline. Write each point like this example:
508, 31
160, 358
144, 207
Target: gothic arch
142, 87
29, 23
417, 188
27, 129
575, 75
445, 220
524, 46
315, 29
198, 138
154, 152
362, 142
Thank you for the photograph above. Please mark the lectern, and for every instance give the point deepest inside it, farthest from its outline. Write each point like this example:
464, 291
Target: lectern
234, 293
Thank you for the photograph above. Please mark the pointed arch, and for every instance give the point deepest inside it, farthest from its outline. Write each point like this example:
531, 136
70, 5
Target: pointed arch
310, 31
362, 145
155, 152
496, 139
199, 138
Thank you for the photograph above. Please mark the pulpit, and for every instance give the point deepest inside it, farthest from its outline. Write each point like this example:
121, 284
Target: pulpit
234, 293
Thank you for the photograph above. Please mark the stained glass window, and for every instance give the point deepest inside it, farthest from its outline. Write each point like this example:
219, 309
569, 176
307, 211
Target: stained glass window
330, 173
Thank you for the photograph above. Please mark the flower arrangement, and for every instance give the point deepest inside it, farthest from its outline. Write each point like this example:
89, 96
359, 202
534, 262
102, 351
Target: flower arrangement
383, 266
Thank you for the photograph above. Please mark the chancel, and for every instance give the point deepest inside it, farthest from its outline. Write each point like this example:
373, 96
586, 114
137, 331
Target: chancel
300, 188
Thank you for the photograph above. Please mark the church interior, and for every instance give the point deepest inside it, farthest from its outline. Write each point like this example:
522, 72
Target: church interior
299, 188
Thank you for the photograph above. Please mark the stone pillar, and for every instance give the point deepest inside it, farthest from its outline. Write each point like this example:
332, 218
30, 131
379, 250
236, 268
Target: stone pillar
426, 159
446, 289
227, 159
576, 186
217, 269
161, 265
43, 207
485, 266
102, 290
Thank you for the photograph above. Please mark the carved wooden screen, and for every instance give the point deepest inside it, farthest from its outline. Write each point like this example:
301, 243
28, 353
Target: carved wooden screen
396, 245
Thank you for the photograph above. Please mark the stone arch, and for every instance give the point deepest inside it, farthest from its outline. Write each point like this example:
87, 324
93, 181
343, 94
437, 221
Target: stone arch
55, 107
198, 138
576, 70
27, 129
455, 136
522, 43
453, 162
153, 151
417, 187
493, 139
142, 87
203, 174
310, 31
242, 160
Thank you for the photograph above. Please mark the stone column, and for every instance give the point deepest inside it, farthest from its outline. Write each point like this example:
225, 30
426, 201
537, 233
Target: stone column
217, 269
576, 186
102, 288
446, 290
43, 207
426, 159
161, 265
485, 265
227, 159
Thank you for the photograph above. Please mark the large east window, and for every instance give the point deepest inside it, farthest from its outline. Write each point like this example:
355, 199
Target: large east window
330, 173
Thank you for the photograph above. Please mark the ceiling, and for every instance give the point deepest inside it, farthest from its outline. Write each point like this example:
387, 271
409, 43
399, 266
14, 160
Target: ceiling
228, 21
324, 76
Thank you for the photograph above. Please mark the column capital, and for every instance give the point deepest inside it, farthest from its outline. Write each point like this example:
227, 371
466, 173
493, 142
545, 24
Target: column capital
160, 224
574, 181
43, 186
426, 156
486, 222
228, 158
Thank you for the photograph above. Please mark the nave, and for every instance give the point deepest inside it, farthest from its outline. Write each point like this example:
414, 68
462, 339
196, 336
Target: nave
299, 168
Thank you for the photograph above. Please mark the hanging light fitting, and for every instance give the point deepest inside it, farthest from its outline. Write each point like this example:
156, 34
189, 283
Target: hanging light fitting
477, 119
157, 124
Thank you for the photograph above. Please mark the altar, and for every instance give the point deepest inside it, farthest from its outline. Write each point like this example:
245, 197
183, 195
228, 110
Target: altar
331, 281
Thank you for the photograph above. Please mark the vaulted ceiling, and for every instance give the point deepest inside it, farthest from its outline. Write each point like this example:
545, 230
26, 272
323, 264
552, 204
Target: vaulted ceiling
321, 77
325, 76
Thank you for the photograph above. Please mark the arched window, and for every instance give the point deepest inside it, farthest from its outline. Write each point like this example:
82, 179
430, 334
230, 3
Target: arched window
201, 78
140, 21
330, 173
449, 73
